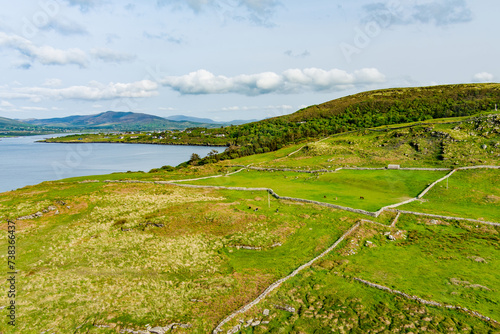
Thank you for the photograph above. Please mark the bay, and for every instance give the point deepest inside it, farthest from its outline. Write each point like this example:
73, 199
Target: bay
24, 162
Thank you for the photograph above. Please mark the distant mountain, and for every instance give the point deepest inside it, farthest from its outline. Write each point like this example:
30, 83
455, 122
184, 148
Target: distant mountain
7, 122
12, 127
117, 121
241, 121
179, 118
208, 120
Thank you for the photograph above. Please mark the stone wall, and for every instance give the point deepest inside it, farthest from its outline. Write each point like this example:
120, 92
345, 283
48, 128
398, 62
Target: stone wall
280, 281
424, 301
445, 217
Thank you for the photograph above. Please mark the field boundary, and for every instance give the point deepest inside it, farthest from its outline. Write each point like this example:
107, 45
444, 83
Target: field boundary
445, 217
374, 214
276, 284
424, 301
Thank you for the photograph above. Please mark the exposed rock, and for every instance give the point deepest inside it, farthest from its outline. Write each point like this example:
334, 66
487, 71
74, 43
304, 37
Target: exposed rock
391, 237
255, 323
369, 244
57, 212
234, 330
248, 323
477, 259
287, 308
266, 312
52, 208
157, 330
479, 286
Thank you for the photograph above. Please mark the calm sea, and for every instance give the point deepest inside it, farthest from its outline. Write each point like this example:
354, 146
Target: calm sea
24, 162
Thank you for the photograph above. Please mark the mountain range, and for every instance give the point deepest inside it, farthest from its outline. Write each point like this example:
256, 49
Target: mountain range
111, 120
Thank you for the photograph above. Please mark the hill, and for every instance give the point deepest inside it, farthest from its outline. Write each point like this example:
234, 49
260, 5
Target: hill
350, 113
7, 122
11, 127
118, 121
147, 253
208, 120
413, 104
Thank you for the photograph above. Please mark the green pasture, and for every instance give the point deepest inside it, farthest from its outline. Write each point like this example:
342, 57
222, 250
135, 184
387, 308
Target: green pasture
468, 193
345, 187
451, 263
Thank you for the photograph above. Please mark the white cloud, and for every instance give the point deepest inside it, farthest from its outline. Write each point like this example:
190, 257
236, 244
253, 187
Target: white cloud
483, 77
34, 108
46, 55
290, 81
94, 91
6, 104
111, 56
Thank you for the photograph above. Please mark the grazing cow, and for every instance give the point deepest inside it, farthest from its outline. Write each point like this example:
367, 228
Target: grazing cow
361, 197
277, 210
324, 196
249, 208
256, 209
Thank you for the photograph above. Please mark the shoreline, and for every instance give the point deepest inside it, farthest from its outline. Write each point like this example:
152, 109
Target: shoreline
120, 142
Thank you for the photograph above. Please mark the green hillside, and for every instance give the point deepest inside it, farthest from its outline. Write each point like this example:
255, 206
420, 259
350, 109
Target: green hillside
359, 111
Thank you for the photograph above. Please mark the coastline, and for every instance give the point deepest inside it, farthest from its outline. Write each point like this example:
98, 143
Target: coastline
123, 142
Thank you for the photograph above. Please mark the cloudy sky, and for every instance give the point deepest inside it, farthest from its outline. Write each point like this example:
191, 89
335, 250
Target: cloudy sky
233, 59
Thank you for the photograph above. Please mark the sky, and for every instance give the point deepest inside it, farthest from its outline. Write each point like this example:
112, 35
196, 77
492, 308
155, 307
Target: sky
233, 59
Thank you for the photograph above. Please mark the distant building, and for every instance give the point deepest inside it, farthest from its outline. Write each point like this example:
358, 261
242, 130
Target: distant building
393, 167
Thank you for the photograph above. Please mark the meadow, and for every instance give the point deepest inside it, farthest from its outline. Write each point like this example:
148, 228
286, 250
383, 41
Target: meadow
361, 189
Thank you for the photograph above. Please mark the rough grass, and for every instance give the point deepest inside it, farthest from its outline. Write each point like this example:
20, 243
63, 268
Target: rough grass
79, 268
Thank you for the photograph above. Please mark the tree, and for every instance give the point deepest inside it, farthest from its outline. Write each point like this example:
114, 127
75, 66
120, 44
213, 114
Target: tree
194, 159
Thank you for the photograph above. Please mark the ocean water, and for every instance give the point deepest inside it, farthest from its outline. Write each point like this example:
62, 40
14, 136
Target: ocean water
24, 162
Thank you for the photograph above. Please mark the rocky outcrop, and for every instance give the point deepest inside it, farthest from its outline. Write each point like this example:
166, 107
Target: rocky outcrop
157, 329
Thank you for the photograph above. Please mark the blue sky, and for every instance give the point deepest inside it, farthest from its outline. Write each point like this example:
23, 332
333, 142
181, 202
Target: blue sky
233, 59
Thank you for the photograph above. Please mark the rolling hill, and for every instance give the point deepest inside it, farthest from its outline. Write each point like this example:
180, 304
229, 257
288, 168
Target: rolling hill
118, 121
208, 120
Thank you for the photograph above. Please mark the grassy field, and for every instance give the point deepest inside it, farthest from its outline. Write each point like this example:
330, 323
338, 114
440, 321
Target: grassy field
345, 187
470, 194
102, 261
451, 263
